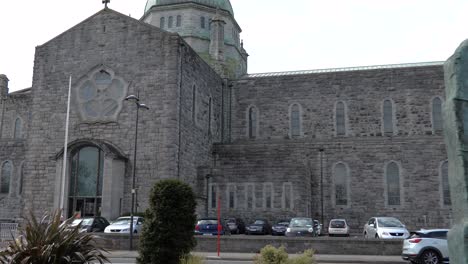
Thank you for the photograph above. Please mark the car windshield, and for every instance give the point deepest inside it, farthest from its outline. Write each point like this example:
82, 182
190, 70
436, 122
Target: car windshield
84, 222
259, 222
123, 221
208, 222
337, 224
389, 222
283, 223
304, 222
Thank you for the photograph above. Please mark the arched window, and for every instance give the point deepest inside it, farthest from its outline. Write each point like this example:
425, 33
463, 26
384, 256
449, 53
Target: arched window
445, 183
21, 180
162, 21
170, 22
388, 117
341, 184
393, 184
252, 122
202, 22
340, 119
437, 114
85, 188
18, 128
6, 178
295, 119
179, 21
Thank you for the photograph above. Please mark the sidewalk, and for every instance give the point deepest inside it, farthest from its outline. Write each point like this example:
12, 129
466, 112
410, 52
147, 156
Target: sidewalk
250, 256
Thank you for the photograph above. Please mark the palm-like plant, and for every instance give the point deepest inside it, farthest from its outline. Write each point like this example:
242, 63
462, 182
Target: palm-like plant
49, 241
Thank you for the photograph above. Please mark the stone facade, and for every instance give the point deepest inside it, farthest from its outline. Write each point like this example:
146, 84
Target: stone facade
344, 143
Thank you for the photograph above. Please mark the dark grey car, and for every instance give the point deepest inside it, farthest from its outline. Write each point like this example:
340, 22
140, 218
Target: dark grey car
301, 226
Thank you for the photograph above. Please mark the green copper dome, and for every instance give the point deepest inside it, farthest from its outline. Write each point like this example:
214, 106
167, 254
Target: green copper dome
222, 4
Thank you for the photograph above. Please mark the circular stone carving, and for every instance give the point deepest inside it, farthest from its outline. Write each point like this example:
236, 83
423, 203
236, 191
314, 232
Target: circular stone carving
99, 96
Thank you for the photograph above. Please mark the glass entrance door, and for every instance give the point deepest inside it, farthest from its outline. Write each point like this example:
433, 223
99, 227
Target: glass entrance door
85, 188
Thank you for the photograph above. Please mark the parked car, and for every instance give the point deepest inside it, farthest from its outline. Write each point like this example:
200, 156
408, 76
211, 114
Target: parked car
91, 224
259, 226
209, 226
338, 227
386, 228
235, 225
426, 247
122, 225
318, 227
301, 226
279, 229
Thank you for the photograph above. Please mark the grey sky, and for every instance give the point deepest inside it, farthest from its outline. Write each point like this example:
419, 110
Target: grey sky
278, 35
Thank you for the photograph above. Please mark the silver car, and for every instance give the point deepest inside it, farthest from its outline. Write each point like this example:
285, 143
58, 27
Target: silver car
386, 228
338, 227
122, 225
427, 247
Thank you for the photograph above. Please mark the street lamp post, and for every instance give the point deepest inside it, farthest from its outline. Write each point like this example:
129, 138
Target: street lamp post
321, 182
132, 212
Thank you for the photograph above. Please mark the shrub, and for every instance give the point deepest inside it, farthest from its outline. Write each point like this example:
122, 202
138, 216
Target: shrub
167, 233
306, 258
271, 255
51, 242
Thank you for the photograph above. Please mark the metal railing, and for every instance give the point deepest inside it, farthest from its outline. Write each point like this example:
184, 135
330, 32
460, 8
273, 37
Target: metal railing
8, 231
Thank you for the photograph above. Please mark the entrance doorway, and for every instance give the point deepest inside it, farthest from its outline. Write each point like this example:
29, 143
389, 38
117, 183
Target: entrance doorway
85, 189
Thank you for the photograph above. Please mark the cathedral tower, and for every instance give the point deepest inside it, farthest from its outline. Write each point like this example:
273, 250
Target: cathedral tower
208, 26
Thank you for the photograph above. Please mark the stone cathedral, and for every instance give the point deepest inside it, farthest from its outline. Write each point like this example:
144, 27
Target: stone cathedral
332, 143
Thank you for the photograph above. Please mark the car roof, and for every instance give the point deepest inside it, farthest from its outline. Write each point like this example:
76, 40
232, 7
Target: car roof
425, 231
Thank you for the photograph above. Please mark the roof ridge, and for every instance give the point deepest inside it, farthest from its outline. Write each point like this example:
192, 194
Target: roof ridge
345, 69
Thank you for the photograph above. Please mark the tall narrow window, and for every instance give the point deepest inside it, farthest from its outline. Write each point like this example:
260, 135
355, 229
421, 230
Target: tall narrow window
210, 113
268, 195
21, 180
202, 22
179, 21
5, 178
252, 122
249, 199
393, 184
18, 128
340, 119
231, 196
287, 196
213, 194
437, 114
388, 117
170, 22
445, 184
341, 184
162, 21
295, 121
194, 103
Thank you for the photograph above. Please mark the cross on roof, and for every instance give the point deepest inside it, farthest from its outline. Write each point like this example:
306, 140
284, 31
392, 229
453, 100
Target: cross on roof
105, 2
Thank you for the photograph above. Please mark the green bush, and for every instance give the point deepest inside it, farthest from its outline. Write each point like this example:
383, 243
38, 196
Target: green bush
190, 259
49, 241
271, 255
167, 233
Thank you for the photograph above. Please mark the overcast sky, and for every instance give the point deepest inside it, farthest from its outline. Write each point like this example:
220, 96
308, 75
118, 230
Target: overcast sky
278, 35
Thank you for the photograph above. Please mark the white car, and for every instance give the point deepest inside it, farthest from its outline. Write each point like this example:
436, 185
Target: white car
386, 228
338, 227
122, 225
427, 247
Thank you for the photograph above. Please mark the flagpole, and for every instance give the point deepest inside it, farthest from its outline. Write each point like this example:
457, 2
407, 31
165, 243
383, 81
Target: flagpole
65, 149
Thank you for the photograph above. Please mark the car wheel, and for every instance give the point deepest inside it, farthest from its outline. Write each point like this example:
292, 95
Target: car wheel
430, 257
365, 235
134, 232
376, 236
